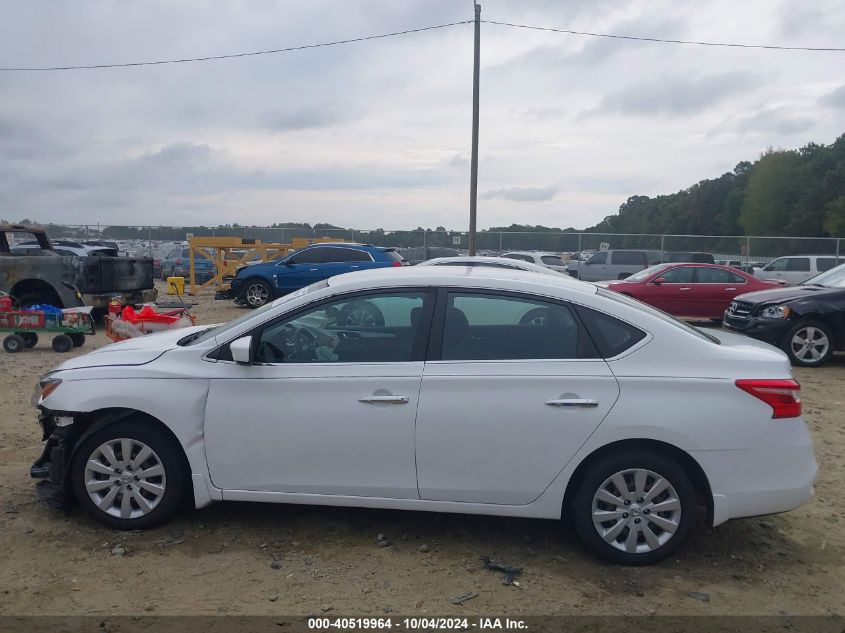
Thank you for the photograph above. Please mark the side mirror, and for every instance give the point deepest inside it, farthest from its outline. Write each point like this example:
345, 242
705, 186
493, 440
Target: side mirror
658, 281
242, 350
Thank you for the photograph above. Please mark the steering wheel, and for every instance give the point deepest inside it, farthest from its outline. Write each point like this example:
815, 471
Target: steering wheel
291, 344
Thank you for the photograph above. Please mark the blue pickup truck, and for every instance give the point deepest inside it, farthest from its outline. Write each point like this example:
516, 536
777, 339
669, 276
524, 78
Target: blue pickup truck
256, 284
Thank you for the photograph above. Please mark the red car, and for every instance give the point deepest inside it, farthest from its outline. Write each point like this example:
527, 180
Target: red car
689, 290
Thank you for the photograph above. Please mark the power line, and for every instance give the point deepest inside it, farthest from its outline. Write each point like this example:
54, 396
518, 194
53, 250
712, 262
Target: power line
235, 55
667, 41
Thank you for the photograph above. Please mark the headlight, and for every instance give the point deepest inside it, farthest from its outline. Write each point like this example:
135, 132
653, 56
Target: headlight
776, 312
44, 388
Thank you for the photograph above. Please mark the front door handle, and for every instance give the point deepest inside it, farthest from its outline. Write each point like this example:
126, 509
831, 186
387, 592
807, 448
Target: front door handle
730, 288
684, 288
384, 399
573, 402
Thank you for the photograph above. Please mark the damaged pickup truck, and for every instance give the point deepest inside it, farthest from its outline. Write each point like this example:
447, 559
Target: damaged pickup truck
39, 275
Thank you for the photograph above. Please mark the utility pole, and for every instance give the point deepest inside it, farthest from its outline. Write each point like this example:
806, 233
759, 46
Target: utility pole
473, 183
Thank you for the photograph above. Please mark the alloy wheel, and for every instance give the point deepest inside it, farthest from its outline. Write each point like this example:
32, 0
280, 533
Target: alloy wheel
125, 478
809, 344
257, 295
636, 511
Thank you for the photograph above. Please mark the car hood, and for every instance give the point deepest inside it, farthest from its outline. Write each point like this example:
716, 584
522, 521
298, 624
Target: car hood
781, 295
134, 351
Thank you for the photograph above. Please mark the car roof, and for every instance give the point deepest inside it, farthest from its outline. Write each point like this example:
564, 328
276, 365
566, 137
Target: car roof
492, 261
469, 276
531, 253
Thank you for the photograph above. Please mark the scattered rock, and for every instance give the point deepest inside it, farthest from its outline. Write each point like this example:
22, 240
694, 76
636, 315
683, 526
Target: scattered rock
560, 559
118, 550
382, 537
273, 598
275, 564
766, 524
262, 546
29, 530
420, 604
383, 543
326, 607
387, 609
699, 595
423, 548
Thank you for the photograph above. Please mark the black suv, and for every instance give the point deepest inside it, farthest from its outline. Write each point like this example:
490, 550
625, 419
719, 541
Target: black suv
807, 321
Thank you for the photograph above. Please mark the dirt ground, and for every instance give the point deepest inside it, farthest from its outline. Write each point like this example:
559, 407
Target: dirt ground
220, 560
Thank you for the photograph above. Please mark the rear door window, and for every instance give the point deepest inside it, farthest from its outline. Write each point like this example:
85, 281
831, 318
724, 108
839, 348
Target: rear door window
332, 255
826, 263
706, 275
479, 326
798, 264
627, 258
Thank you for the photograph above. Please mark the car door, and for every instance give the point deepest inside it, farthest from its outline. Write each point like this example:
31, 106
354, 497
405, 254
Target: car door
300, 269
675, 294
626, 263
798, 270
326, 407
338, 260
595, 268
715, 288
774, 270
512, 388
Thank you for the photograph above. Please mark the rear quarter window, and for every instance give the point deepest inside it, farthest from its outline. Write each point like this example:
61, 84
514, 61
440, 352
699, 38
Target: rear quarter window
611, 336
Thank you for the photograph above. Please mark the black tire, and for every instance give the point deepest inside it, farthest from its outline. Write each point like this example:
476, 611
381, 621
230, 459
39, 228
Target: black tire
30, 339
535, 316
77, 339
14, 343
256, 293
801, 355
174, 480
596, 476
356, 314
62, 343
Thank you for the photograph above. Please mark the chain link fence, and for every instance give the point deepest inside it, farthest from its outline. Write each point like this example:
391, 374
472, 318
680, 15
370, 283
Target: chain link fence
745, 249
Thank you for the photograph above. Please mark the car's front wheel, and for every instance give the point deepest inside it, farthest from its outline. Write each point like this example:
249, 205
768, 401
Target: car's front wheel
129, 476
634, 508
256, 293
808, 343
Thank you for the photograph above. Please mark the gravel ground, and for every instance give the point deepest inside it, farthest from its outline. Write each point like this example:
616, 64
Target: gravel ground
275, 559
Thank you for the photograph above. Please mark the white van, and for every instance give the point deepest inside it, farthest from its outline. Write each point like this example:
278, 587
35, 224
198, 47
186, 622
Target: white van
796, 269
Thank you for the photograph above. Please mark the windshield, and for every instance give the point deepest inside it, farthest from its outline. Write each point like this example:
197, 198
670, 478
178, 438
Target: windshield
222, 329
833, 278
648, 272
660, 314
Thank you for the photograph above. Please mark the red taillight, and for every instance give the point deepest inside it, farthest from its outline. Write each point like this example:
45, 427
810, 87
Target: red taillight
395, 263
782, 395
178, 262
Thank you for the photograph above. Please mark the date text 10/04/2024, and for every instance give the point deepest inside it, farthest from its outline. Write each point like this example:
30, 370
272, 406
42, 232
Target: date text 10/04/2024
411, 624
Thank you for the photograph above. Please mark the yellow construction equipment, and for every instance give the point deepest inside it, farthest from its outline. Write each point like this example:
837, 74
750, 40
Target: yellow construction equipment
228, 253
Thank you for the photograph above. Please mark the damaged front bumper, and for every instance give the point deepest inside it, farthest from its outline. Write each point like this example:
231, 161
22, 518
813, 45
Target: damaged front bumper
52, 467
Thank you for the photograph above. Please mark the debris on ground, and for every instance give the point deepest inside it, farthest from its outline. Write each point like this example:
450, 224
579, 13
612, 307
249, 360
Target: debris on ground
469, 595
699, 595
509, 571
383, 541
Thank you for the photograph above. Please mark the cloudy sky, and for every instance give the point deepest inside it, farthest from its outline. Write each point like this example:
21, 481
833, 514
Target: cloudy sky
377, 134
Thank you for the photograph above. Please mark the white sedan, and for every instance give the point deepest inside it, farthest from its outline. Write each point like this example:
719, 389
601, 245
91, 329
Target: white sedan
475, 390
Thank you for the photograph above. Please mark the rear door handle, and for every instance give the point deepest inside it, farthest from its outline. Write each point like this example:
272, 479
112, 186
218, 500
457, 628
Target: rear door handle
384, 399
730, 288
684, 288
573, 402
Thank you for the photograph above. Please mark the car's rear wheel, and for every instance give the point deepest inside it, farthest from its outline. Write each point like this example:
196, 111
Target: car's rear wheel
634, 508
129, 476
808, 343
256, 293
